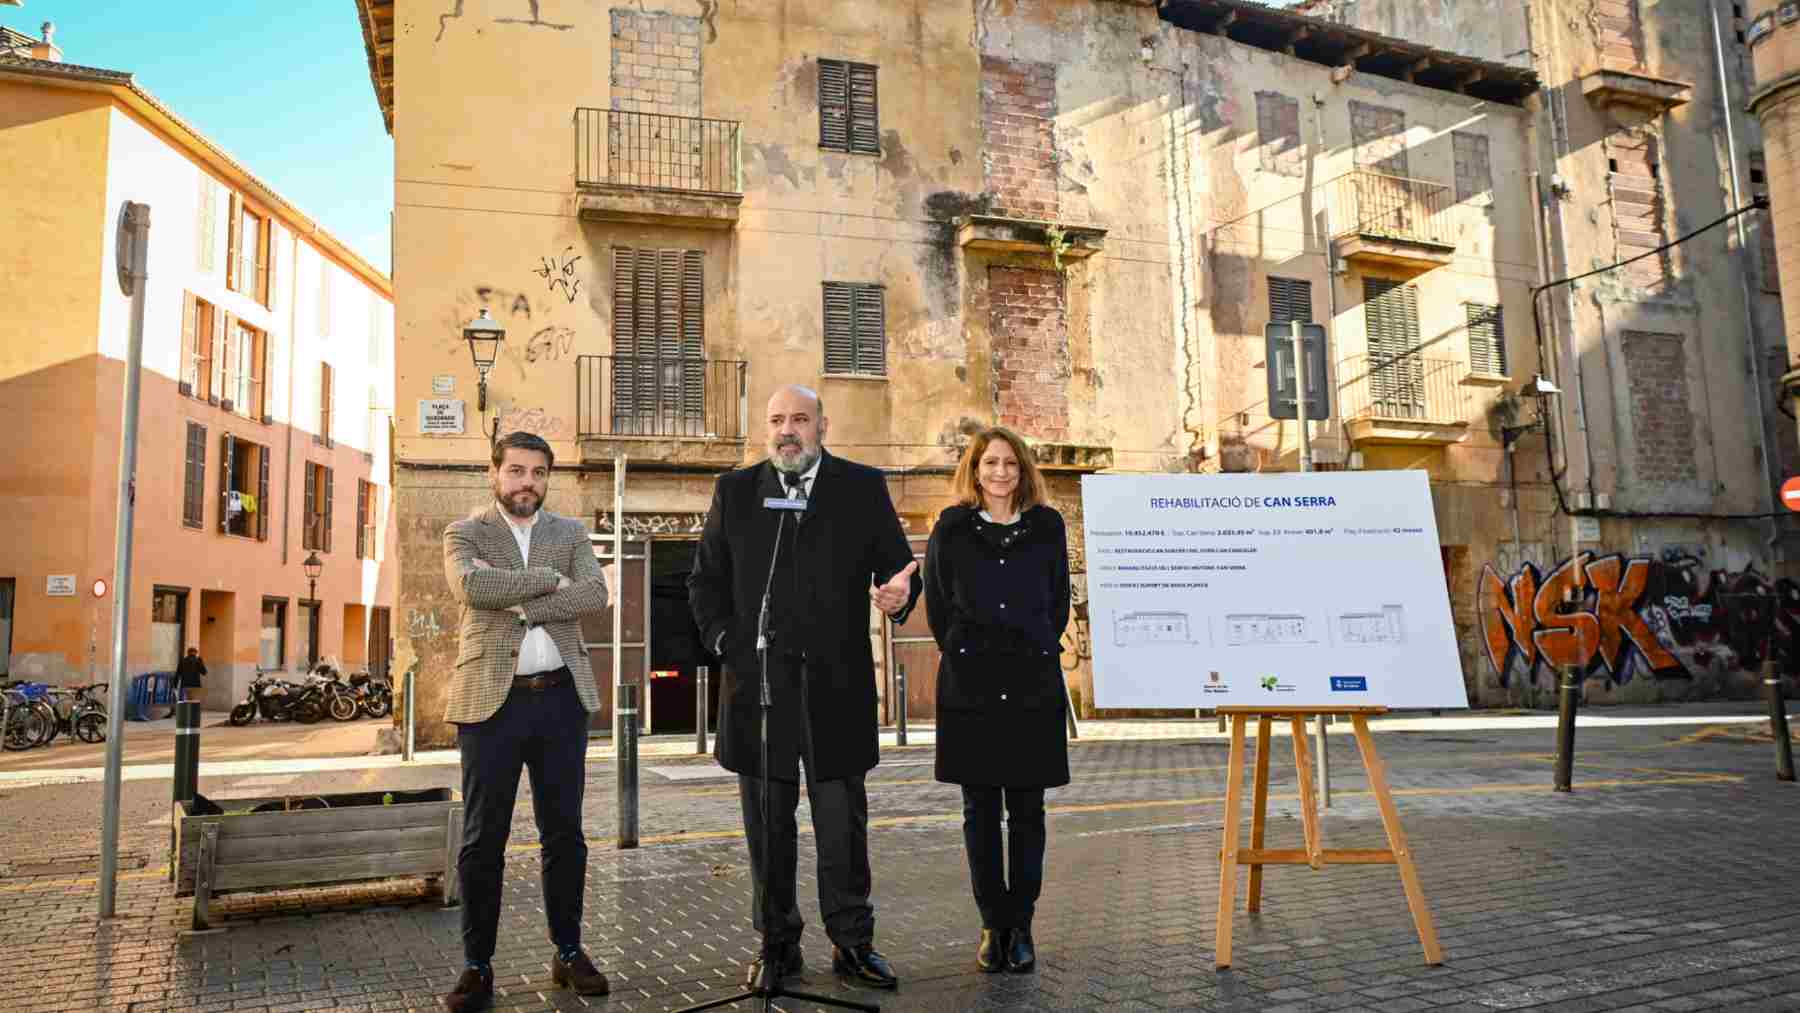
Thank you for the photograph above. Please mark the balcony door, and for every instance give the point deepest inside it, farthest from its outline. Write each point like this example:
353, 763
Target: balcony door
1396, 370
659, 343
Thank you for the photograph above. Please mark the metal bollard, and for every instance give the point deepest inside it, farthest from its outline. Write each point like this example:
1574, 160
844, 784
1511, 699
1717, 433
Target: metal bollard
627, 759
408, 683
700, 710
900, 714
187, 750
1565, 730
1778, 725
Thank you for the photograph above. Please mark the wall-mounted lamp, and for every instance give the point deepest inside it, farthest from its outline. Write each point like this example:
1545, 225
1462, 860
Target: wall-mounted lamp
484, 335
1539, 390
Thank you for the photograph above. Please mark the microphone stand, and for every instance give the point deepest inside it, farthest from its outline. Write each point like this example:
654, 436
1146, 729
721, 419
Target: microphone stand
776, 989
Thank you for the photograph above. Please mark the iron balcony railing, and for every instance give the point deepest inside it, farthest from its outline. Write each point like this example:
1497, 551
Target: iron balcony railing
668, 396
1406, 388
657, 152
1372, 205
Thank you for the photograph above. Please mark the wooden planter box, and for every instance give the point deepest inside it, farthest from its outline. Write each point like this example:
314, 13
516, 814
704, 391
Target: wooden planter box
352, 836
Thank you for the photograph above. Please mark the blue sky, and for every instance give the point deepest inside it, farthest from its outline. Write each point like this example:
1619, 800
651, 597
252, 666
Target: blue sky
283, 87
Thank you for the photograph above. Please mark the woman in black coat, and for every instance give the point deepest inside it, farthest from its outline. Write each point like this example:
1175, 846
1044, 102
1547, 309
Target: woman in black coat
997, 593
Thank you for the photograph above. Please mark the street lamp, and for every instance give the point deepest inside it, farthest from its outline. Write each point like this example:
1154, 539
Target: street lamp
312, 566
484, 335
1539, 390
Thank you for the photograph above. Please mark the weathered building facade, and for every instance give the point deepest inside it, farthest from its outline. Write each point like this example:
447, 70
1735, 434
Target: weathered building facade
1073, 217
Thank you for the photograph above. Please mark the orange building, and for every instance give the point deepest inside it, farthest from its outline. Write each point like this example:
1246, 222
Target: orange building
266, 392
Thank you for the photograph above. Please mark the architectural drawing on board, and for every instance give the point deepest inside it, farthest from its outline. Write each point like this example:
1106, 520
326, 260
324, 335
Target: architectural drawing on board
1269, 629
1386, 626
1141, 629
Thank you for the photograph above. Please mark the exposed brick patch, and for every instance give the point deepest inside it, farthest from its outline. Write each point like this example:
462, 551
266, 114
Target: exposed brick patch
1278, 133
1661, 420
1018, 122
1474, 169
1028, 323
1379, 136
655, 63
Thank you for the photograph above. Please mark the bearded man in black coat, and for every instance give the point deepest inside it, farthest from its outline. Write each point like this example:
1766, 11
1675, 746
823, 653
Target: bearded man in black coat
842, 549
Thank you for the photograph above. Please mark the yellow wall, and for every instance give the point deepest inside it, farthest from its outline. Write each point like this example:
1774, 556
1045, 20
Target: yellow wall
53, 151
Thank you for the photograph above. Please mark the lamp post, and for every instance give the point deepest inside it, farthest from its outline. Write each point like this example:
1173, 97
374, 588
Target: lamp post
312, 566
484, 335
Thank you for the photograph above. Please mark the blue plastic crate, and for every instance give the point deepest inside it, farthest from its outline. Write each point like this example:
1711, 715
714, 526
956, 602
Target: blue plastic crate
152, 689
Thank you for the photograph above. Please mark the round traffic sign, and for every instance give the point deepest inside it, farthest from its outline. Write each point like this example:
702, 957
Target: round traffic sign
1790, 494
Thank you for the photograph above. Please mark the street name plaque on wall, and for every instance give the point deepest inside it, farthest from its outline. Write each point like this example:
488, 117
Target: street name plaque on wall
440, 417
60, 585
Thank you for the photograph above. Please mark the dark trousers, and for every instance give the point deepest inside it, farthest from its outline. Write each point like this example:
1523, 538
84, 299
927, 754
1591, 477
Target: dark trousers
1006, 902
545, 732
840, 818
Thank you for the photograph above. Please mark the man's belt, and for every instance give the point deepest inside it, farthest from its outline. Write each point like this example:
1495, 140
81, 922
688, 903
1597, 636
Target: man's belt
539, 681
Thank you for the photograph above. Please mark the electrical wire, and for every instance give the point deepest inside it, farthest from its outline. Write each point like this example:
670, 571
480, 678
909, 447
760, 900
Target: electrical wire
1761, 203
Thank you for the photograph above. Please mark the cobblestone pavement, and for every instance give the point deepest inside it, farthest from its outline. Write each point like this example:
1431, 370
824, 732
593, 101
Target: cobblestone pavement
1664, 882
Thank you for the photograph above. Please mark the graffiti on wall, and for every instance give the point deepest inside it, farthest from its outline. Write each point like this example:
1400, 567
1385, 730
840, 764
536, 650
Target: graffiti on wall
532, 420
1664, 617
558, 273
1077, 647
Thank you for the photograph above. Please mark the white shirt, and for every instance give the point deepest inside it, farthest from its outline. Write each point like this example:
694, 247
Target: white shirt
538, 652
806, 478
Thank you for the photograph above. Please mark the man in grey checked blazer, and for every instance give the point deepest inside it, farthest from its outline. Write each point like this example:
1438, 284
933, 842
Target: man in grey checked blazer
520, 696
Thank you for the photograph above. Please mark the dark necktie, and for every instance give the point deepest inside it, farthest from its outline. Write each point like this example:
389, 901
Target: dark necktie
796, 485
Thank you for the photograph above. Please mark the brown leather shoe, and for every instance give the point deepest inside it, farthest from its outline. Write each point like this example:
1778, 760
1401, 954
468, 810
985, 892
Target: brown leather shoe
579, 974
473, 991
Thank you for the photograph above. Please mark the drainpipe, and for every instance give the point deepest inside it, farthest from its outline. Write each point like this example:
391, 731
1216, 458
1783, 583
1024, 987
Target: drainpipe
287, 473
1771, 476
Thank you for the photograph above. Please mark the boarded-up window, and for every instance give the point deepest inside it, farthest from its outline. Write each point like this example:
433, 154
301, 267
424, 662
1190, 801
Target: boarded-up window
1379, 136
1635, 181
659, 339
1290, 299
193, 485
1278, 133
1662, 422
855, 328
1487, 339
1474, 171
849, 115
1396, 372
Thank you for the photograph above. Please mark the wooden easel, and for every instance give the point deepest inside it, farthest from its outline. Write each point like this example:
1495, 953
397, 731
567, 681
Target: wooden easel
1314, 854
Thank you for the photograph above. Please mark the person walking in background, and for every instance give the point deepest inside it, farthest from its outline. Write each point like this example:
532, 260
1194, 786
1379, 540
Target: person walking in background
190, 671
997, 598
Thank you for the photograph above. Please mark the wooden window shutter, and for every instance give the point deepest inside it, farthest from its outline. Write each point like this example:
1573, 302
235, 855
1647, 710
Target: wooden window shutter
625, 330
190, 312
216, 372
693, 339
1487, 339
870, 309
865, 119
207, 241
193, 489
265, 259
233, 279
1290, 299
227, 452
1396, 373
262, 494
840, 333
362, 519
309, 535
229, 365
834, 105
325, 403
326, 535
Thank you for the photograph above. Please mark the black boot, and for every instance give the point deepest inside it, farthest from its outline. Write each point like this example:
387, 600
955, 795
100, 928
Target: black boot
1021, 953
990, 956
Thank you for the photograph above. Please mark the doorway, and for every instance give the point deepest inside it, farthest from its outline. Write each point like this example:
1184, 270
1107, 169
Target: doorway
6, 620
380, 642
218, 646
168, 627
676, 652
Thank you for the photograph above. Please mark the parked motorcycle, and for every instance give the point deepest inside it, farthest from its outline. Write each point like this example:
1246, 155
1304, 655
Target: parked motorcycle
268, 696
334, 696
374, 697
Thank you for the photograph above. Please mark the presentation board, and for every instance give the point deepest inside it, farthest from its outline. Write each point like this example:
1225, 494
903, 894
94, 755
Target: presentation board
1278, 590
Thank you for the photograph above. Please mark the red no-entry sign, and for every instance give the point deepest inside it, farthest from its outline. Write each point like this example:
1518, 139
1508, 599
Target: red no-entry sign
1790, 494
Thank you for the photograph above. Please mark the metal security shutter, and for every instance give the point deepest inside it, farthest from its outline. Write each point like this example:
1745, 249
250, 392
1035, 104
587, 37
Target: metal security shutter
1290, 299
1396, 373
865, 118
193, 491
840, 339
1487, 339
834, 105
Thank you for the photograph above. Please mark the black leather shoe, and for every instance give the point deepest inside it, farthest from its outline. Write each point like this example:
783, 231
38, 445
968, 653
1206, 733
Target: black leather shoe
1021, 952
579, 974
764, 974
473, 991
990, 956
862, 964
